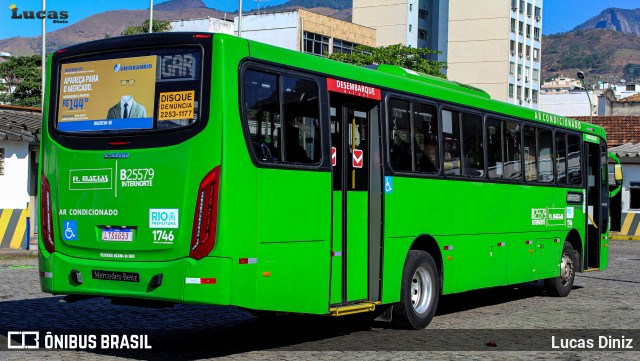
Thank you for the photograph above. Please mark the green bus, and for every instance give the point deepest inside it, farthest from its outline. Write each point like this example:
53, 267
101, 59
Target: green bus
287, 182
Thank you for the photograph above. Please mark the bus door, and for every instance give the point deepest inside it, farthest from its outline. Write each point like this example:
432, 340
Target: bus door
597, 200
357, 199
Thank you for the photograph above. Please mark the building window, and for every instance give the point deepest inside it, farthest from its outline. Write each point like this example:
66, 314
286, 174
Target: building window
520, 27
1, 161
526, 93
520, 50
422, 14
634, 195
534, 96
519, 71
536, 74
316, 44
512, 68
410, 7
529, 10
422, 34
514, 5
537, 13
535, 54
510, 90
526, 73
512, 47
536, 34
513, 26
521, 6
528, 53
529, 31
519, 93
344, 47
410, 27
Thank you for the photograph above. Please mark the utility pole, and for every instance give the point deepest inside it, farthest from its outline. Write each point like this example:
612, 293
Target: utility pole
581, 77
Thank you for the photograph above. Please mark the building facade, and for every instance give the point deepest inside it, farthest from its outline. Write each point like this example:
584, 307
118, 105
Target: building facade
493, 45
305, 31
19, 142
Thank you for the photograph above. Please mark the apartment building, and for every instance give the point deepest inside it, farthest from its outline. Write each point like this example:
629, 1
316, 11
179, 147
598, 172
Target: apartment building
491, 44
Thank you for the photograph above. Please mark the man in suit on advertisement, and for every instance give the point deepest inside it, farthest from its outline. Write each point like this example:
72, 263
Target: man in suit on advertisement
127, 108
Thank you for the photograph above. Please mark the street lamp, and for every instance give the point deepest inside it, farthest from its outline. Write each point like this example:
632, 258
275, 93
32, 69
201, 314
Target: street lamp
581, 77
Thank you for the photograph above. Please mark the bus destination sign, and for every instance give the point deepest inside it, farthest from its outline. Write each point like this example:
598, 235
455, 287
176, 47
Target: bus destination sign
359, 90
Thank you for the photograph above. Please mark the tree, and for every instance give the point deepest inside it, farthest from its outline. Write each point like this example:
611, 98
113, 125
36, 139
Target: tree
400, 55
22, 81
159, 26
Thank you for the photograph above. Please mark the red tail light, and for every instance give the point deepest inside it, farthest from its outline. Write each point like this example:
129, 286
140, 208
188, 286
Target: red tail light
205, 220
46, 216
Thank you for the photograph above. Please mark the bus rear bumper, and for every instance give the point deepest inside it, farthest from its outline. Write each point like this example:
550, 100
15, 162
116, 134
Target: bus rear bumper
186, 280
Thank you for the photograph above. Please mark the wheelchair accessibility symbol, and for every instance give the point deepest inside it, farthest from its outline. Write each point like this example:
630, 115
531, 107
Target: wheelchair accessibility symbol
388, 184
70, 232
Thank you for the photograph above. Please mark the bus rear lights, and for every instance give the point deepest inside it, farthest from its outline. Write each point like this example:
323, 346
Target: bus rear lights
46, 274
247, 261
46, 216
448, 248
502, 244
202, 36
118, 144
203, 236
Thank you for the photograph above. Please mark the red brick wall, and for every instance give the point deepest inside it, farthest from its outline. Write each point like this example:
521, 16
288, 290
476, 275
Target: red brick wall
620, 129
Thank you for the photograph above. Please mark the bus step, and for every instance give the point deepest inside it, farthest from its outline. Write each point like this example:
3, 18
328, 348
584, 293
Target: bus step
367, 306
592, 269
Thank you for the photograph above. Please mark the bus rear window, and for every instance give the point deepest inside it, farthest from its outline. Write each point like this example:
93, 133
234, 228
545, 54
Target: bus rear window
137, 92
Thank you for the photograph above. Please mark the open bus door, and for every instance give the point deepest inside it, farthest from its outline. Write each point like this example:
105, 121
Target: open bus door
357, 201
597, 202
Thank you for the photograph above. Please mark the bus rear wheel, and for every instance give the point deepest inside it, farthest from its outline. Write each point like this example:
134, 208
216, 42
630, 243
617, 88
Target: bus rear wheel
419, 291
561, 286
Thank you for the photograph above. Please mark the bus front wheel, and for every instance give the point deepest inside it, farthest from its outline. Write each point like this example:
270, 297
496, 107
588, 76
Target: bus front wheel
419, 291
561, 286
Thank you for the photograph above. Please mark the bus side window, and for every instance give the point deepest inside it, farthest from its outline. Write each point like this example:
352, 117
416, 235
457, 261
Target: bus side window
512, 151
400, 135
574, 161
262, 112
530, 154
451, 137
301, 113
545, 155
495, 165
425, 124
561, 157
473, 154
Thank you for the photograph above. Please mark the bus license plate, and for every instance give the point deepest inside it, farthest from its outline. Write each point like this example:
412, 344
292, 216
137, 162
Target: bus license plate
117, 235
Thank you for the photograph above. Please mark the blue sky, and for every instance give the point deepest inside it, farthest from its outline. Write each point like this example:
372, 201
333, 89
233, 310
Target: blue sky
558, 15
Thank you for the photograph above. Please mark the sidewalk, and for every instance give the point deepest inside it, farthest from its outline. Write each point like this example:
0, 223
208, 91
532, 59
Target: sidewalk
16, 253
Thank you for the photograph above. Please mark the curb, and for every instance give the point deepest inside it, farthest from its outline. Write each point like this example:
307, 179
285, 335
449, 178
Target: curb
624, 238
17, 253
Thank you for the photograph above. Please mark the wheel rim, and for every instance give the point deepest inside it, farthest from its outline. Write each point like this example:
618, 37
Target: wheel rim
566, 269
421, 288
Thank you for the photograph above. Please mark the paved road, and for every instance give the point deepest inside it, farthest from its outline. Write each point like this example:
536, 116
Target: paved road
473, 325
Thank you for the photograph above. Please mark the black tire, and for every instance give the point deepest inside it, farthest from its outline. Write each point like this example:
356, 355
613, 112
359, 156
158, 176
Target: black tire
419, 291
561, 286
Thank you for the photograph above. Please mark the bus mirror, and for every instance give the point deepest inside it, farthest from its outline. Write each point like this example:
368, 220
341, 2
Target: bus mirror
617, 174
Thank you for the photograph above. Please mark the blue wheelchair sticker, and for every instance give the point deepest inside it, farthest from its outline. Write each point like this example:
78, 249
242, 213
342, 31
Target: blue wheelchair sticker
70, 231
388, 184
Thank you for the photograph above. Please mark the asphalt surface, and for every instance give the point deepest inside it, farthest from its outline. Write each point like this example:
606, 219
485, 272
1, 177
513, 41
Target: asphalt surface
506, 323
